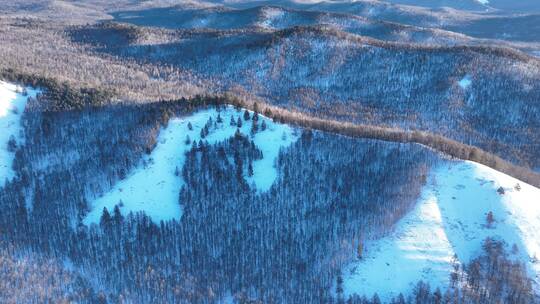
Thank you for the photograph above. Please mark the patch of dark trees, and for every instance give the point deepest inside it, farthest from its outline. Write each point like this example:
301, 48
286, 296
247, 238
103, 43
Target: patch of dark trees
107, 33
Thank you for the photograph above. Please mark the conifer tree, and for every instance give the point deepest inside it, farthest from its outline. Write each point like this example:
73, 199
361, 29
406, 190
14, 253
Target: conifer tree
254, 127
105, 220
250, 169
117, 215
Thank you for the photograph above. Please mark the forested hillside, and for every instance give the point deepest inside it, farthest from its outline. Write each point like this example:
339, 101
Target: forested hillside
303, 237
286, 151
317, 70
106, 142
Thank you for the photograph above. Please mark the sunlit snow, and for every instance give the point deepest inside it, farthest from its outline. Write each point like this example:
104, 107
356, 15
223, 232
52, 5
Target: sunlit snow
12, 103
465, 82
450, 218
154, 188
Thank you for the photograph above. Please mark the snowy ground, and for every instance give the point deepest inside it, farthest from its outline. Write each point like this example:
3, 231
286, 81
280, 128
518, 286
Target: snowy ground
12, 103
154, 187
272, 17
450, 218
465, 82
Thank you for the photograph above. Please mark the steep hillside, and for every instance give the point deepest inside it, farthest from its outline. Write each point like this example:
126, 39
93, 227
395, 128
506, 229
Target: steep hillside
463, 204
259, 151
225, 224
253, 219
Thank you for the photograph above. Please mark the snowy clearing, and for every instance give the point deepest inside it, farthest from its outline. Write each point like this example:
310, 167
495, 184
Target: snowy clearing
272, 17
465, 82
450, 218
153, 186
12, 103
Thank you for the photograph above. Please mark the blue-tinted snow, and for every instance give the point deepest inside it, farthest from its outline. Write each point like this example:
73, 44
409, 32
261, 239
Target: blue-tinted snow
154, 188
450, 218
12, 104
465, 82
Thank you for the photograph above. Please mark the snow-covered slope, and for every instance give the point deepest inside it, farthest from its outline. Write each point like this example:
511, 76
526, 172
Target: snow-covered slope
12, 103
154, 186
450, 219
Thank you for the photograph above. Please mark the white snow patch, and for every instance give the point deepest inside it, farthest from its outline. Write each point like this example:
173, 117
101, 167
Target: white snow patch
154, 188
465, 82
418, 250
450, 218
12, 103
272, 17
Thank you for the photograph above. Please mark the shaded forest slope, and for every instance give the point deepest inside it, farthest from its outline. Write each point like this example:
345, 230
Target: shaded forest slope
332, 74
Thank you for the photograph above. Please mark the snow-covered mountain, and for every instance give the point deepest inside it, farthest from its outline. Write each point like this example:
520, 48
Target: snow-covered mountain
261, 151
271, 17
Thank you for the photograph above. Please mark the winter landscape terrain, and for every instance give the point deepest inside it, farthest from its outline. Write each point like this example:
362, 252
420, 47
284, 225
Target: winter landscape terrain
159, 198
448, 226
12, 103
260, 151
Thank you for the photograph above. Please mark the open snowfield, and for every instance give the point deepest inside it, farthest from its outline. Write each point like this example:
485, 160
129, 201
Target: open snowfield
450, 218
153, 186
12, 103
